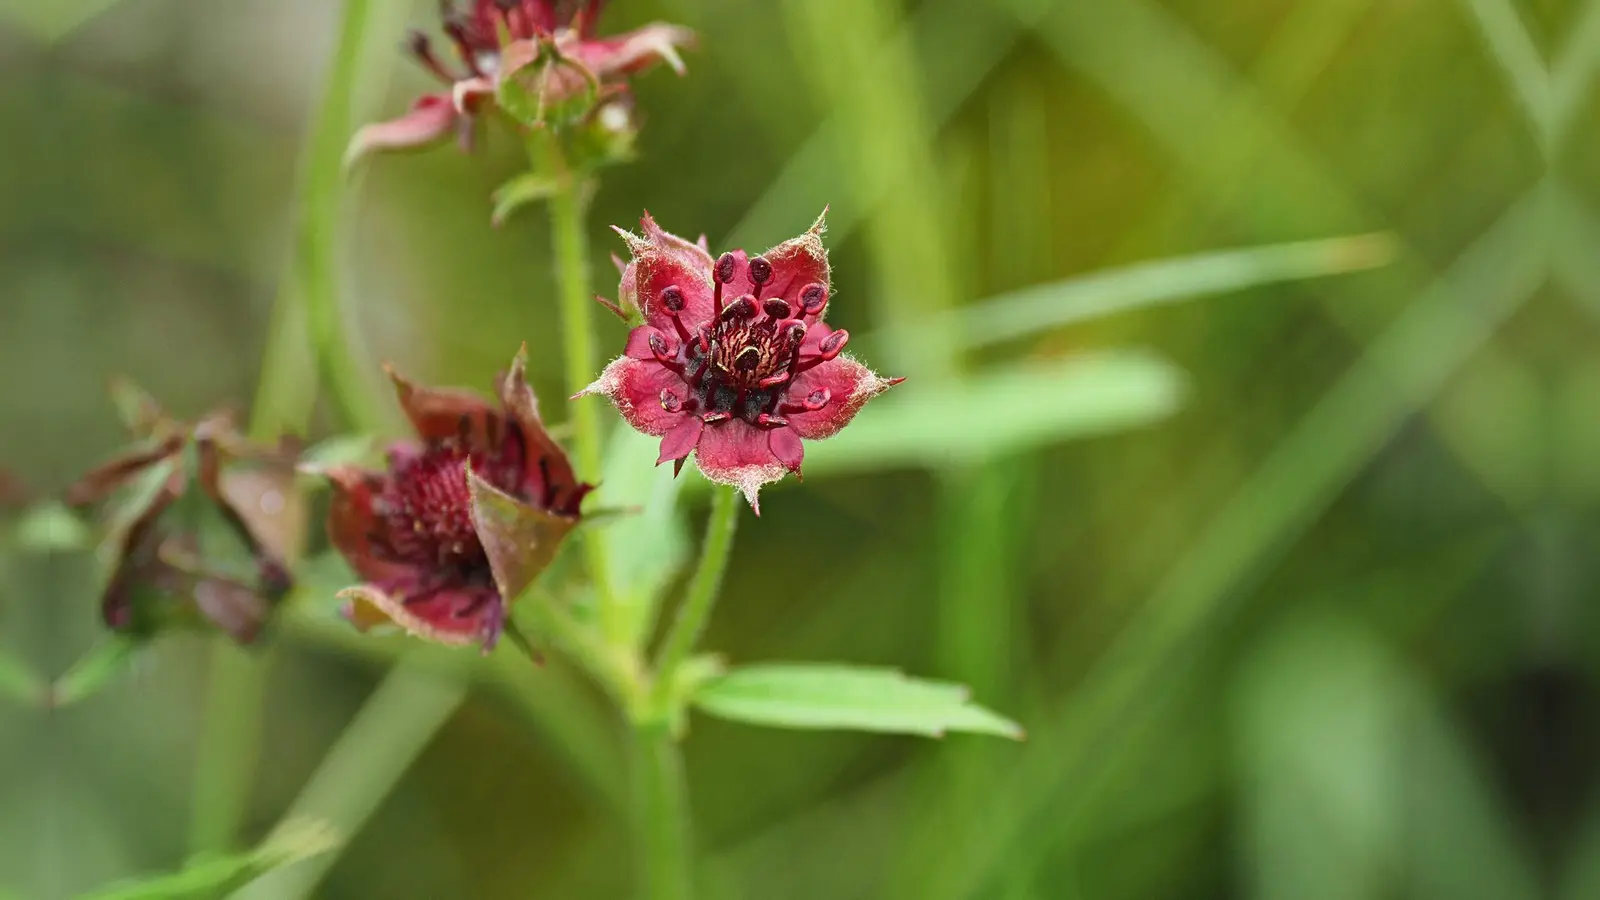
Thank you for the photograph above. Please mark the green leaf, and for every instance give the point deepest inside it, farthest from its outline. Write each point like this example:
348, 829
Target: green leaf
1042, 307
210, 875
1002, 411
50, 528
835, 696
529, 187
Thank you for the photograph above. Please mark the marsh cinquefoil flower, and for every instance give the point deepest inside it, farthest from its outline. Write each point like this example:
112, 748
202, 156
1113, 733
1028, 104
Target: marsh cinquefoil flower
462, 521
733, 361
550, 45
173, 565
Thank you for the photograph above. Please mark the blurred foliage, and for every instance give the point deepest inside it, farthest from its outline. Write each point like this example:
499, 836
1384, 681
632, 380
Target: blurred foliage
1328, 631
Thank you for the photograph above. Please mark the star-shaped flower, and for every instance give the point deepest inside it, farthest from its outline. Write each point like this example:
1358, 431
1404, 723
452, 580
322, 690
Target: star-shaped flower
462, 520
733, 362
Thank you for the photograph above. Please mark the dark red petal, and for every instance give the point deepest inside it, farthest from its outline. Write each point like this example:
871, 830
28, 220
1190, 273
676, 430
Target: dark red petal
639, 342
736, 453
796, 263
786, 446
432, 117
440, 414
117, 471
661, 260
456, 615
635, 387
849, 385
680, 441
352, 523
546, 463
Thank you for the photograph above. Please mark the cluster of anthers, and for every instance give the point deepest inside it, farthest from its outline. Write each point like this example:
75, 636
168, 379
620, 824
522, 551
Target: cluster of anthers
737, 364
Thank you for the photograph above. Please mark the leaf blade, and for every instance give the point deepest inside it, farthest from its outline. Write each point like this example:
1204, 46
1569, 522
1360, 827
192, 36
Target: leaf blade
837, 696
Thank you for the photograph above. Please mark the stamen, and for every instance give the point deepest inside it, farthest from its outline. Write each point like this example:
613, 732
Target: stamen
776, 307
666, 355
721, 274
760, 273
672, 298
715, 416
422, 49
671, 402
770, 421
835, 342
747, 360
742, 308
813, 298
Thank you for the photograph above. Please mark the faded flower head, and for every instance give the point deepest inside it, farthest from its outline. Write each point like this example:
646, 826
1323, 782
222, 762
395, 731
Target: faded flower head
463, 519
733, 361
546, 49
176, 551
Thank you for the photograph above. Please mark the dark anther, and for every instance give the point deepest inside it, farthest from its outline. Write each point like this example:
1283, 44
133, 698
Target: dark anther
672, 298
748, 359
658, 346
742, 308
422, 49
776, 307
671, 402
725, 266
813, 298
760, 271
797, 333
835, 342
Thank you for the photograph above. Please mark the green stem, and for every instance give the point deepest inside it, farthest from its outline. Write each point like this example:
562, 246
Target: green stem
307, 335
695, 610
576, 293
661, 804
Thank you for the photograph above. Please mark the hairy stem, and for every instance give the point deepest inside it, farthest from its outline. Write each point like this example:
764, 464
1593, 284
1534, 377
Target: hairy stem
571, 252
695, 611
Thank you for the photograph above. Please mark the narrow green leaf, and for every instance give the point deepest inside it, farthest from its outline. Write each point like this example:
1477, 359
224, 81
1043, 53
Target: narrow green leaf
835, 696
50, 528
1002, 411
529, 187
209, 875
96, 669
371, 756
1160, 282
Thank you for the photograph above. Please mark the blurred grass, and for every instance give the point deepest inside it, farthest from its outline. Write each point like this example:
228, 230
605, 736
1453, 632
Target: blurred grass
1278, 597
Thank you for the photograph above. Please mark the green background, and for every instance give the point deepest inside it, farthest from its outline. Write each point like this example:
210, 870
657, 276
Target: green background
1327, 630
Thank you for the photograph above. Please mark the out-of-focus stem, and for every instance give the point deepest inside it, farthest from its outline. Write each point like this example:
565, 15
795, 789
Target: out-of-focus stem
662, 812
307, 326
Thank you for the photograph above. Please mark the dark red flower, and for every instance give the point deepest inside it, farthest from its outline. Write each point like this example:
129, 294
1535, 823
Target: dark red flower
463, 520
733, 361
493, 39
167, 572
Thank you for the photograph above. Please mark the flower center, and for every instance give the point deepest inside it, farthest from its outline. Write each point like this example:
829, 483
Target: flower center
427, 507
476, 34
744, 362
